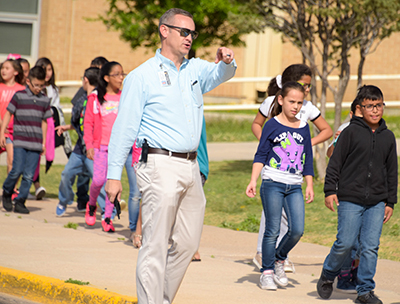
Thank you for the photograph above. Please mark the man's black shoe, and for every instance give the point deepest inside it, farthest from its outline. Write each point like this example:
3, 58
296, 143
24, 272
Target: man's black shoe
20, 207
369, 298
324, 287
7, 201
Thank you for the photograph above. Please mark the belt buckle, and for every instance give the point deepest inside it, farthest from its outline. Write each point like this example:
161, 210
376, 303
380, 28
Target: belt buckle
188, 156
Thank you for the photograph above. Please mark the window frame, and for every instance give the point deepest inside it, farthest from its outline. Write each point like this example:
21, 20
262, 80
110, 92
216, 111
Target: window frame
22, 18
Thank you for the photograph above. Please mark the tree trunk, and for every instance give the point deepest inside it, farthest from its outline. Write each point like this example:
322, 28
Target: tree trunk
320, 149
360, 69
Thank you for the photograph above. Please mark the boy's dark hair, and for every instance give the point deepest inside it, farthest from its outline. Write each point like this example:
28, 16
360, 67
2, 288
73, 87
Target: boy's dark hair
293, 72
37, 72
23, 60
369, 92
354, 105
44, 62
276, 108
98, 62
92, 74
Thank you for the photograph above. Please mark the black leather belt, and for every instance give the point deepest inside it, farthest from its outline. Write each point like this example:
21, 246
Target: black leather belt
188, 155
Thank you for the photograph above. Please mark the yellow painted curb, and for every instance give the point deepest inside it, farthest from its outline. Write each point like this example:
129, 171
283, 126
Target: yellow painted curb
49, 290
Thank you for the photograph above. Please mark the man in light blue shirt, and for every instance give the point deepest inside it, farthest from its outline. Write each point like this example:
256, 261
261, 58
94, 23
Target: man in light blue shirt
162, 105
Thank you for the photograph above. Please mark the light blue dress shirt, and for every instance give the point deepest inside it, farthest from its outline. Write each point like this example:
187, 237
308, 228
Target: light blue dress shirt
163, 106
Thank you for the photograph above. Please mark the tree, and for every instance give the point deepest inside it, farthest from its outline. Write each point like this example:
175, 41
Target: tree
325, 31
376, 27
220, 22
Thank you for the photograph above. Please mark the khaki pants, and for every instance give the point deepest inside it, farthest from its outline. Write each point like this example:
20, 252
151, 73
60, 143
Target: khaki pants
173, 205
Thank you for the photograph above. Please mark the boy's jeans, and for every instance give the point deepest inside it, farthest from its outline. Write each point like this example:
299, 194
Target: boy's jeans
357, 220
25, 163
275, 196
77, 164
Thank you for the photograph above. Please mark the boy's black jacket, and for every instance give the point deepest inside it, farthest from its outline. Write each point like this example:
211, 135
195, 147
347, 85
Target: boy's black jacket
363, 166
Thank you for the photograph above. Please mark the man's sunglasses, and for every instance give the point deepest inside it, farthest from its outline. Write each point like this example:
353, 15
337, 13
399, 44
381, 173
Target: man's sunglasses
184, 31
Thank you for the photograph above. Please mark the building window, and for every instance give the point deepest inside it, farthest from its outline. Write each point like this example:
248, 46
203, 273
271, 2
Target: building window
19, 28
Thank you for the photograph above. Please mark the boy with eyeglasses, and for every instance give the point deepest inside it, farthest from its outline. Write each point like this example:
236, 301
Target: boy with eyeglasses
30, 109
361, 179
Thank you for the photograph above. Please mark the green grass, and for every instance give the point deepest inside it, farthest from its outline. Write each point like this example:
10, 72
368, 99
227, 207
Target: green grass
65, 100
71, 225
77, 282
237, 127
229, 207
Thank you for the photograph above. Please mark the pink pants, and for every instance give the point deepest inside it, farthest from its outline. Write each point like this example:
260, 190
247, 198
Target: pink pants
100, 164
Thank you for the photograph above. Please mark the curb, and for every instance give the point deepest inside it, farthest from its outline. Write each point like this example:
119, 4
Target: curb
51, 291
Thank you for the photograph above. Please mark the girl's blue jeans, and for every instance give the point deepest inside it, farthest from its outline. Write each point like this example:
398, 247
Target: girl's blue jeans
134, 194
274, 197
362, 222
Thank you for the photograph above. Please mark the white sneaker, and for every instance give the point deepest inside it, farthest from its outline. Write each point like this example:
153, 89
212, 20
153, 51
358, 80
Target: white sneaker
40, 193
288, 266
280, 277
257, 261
267, 280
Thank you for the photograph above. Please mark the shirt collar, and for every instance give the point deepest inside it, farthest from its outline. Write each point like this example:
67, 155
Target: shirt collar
30, 93
165, 62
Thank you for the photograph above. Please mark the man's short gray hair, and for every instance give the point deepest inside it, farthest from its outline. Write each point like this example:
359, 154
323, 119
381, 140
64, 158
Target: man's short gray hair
169, 15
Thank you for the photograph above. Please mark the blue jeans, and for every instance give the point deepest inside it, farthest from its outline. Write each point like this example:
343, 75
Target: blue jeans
25, 163
77, 164
134, 194
82, 188
362, 222
274, 197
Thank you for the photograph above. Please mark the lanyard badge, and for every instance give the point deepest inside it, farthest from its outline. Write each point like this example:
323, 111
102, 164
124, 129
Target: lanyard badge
164, 77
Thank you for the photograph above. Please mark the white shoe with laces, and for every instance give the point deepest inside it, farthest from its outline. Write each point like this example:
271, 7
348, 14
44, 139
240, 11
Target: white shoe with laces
280, 277
267, 280
40, 193
288, 266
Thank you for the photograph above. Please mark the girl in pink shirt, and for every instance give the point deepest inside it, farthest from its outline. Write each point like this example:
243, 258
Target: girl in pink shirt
101, 112
11, 80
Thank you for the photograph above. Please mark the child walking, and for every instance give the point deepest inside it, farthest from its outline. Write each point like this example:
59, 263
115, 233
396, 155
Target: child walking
302, 74
11, 81
101, 112
361, 179
51, 91
30, 109
285, 153
347, 279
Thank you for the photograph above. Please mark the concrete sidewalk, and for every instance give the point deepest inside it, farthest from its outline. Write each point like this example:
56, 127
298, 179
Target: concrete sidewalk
46, 252
38, 253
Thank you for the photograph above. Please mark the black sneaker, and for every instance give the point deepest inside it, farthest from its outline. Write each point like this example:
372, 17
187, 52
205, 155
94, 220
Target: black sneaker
7, 201
20, 207
369, 298
81, 206
346, 283
324, 287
